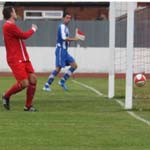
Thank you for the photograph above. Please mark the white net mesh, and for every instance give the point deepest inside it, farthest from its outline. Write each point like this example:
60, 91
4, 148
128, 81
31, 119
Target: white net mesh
141, 58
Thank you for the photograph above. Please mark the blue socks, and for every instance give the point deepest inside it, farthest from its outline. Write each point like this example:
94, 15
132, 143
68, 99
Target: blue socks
51, 77
64, 78
68, 73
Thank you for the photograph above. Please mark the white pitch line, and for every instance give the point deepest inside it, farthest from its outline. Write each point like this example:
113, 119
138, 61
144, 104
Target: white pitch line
118, 101
88, 87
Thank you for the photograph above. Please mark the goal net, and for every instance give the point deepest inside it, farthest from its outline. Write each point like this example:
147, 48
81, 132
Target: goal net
129, 53
141, 95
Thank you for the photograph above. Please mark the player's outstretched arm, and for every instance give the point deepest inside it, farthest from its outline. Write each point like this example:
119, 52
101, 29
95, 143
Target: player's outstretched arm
20, 34
72, 39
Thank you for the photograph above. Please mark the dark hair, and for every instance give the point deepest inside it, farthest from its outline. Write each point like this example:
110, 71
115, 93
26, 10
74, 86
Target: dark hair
65, 14
7, 12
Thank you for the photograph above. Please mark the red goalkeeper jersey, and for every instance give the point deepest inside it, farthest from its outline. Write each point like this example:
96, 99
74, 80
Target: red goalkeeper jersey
13, 39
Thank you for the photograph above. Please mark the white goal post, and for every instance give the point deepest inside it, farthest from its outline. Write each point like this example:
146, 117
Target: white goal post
111, 80
130, 41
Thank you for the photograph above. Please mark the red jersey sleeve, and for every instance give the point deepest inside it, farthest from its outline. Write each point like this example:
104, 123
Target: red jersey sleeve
18, 33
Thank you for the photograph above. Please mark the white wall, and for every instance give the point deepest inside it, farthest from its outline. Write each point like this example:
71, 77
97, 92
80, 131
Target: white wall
43, 59
88, 59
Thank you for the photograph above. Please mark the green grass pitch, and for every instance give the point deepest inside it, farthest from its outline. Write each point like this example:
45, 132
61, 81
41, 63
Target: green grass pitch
75, 120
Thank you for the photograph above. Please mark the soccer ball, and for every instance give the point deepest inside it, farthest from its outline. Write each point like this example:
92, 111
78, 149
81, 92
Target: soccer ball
139, 80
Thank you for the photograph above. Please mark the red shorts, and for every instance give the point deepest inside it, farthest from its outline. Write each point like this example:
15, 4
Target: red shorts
21, 70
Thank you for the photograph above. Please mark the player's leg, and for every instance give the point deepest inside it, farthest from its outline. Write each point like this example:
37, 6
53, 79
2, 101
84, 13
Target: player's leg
30, 93
31, 89
22, 82
73, 66
17, 87
58, 63
51, 79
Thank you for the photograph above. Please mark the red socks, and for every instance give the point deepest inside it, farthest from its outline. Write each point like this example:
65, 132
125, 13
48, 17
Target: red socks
30, 94
18, 87
13, 90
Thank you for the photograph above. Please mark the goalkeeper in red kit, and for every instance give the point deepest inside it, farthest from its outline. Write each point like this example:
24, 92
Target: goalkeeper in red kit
18, 59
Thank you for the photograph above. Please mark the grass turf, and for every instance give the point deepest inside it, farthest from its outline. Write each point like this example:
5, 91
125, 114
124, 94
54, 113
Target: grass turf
74, 120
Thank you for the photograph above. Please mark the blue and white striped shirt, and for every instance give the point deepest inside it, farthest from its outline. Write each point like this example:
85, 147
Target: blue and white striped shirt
62, 34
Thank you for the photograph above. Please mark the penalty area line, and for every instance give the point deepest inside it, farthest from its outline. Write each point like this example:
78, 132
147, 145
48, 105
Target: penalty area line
137, 117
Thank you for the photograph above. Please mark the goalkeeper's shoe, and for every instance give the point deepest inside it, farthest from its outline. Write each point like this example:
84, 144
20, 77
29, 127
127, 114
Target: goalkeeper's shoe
62, 84
30, 109
5, 102
46, 87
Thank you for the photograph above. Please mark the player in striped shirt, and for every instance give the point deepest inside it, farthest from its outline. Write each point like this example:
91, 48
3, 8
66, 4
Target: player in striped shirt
63, 58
